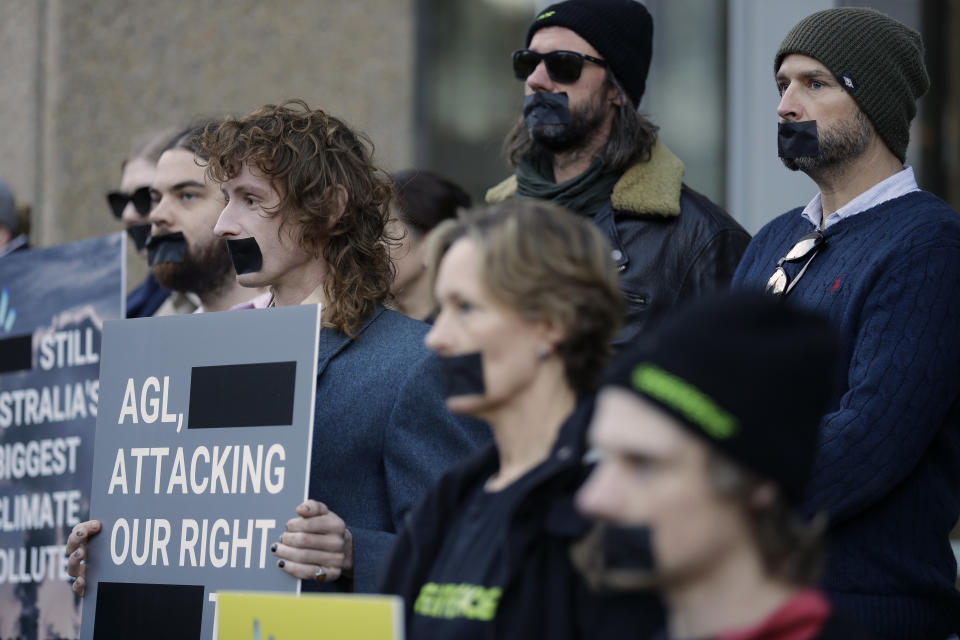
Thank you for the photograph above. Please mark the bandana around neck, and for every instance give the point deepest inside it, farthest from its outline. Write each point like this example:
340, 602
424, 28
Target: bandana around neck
587, 193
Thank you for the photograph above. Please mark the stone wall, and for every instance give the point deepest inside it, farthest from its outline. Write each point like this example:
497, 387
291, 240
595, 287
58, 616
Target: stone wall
82, 78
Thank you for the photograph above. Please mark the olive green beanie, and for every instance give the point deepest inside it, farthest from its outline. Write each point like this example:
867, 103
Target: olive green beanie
878, 60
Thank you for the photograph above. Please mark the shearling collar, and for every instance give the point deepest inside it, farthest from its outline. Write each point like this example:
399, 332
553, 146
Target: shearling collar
647, 188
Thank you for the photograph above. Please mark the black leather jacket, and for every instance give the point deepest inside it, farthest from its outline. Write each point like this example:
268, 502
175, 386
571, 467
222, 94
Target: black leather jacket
670, 242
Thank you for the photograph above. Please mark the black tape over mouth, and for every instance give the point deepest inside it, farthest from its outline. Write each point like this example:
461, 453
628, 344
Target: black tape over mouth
463, 375
245, 255
546, 109
798, 139
628, 547
617, 557
170, 247
140, 234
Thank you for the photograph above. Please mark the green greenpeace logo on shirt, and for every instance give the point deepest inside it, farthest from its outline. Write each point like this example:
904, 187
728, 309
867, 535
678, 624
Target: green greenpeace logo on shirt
686, 399
468, 601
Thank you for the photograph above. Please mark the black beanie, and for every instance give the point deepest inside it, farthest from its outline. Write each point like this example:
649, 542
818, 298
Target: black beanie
878, 60
747, 372
620, 30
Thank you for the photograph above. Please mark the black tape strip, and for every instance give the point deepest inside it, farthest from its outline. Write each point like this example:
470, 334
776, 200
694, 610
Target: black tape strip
245, 255
140, 234
16, 354
628, 548
543, 109
148, 611
798, 139
242, 395
463, 375
171, 247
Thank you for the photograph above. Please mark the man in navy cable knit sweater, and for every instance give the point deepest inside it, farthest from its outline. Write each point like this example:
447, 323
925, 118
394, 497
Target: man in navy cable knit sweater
882, 259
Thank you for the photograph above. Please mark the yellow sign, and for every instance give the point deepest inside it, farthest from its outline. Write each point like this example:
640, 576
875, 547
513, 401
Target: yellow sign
275, 616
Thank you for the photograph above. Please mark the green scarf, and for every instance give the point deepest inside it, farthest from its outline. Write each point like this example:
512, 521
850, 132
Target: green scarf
586, 194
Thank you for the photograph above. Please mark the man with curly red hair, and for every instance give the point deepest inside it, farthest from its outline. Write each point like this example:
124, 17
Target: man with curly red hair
302, 186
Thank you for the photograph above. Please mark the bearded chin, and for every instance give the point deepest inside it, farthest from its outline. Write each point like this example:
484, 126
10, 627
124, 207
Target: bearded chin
202, 271
559, 138
838, 145
790, 163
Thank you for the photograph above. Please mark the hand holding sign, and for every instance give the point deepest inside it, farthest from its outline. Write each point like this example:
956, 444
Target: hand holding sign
316, 545
199, 446
77, 553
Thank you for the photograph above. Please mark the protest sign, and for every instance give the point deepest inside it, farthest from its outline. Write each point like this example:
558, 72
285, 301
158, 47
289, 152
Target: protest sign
53, 304
260, 616
202, 454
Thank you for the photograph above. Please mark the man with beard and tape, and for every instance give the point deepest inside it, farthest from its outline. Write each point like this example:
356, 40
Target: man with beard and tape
882, 258
581, 143
185, 254
703, 451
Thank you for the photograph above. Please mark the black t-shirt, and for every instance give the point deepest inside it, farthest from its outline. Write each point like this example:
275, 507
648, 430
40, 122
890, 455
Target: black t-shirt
463, 588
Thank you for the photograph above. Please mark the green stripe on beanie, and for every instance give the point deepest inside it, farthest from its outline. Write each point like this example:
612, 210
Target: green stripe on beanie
696, 406
878, 60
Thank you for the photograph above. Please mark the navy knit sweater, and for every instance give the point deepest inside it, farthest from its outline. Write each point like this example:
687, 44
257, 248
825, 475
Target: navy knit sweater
888, 467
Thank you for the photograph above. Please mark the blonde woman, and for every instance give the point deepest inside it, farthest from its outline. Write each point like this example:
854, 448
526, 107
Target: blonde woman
529, 301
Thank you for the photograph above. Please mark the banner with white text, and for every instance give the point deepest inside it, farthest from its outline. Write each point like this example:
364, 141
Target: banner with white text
53, 305
202, 454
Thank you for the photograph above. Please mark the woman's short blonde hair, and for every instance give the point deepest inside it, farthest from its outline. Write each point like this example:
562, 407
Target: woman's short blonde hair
547, 264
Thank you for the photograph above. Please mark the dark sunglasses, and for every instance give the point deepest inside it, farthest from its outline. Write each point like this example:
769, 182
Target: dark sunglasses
779, 283
562, 66
141, 201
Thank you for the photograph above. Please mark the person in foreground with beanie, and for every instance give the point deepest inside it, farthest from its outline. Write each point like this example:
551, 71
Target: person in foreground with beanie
582, 144
704, 446
881, 258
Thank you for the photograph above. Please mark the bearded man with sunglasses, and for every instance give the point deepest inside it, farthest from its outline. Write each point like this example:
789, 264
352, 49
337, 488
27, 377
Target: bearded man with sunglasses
581, 143
881, 258
130, 204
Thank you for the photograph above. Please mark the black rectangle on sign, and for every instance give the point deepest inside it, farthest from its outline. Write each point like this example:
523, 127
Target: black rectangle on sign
148, 611
242, 395
16, 353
